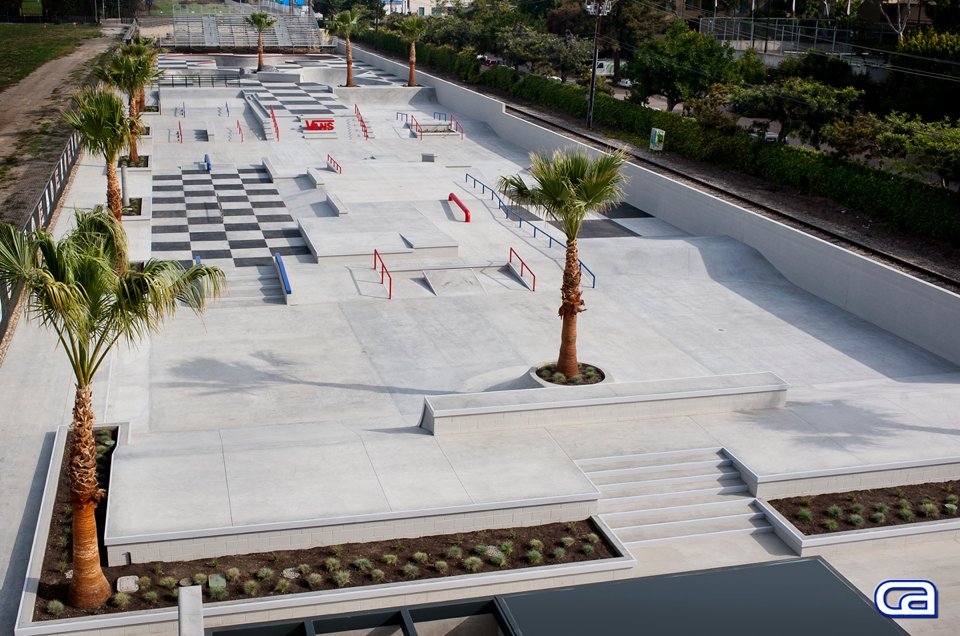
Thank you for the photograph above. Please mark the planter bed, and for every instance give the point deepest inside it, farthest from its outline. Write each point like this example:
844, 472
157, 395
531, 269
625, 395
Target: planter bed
125, 161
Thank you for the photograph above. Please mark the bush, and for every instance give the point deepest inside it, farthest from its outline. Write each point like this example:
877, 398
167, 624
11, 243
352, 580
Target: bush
856, 508
950, 509
834, 511
559, 554
304, 568
377, 575
264, 574
331, 564
534, 557
929, 509
55, 607
588, 549
232, 574
592, 538
411, 571
855, 520
881, 507
144, 582
499, 560
878, 517
472, 564
251, 587
168, 582
830, 524
151, 597
567, 541
535, 544
420, 557
281, 586
121, 600
454, 552
199, 578
219, 593
314, 580
804, 514
507, 547
906, 514
341, 578
952, 499
440, 566
362, 564
389, 559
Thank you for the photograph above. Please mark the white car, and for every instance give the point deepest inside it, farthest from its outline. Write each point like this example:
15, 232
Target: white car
625, 83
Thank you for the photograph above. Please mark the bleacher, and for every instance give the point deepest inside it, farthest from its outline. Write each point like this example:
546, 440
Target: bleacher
226, 32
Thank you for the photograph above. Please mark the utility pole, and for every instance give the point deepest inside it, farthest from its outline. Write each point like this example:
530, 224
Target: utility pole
599, 9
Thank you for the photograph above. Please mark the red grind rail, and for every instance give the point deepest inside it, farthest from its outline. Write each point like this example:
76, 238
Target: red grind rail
363, 124
180, 125
383, 272
276, 126
332, 163
457, 200
457, 126
418, 128
240, 130
523, 266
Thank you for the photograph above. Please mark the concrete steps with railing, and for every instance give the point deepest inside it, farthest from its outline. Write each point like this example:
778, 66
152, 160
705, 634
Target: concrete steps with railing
250, 286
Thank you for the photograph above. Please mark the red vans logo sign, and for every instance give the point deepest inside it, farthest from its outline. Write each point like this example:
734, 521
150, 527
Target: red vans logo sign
319, 124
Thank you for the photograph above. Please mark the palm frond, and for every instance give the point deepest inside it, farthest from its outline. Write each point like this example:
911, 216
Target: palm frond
101, 119
17, 254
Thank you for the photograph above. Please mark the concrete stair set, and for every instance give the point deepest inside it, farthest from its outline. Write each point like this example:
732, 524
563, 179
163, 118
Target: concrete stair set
230, 31
252, 286
657, 497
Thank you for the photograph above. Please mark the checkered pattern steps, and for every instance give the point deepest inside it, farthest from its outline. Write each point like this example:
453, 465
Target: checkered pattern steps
229, 217
289, 99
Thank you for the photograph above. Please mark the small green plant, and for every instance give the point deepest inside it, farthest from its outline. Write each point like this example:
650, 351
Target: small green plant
805, 501
855, 520
472, 564
577, 379
420, 557
592, 538
55, 607
950, 509
881, 507
399, 545
481, 550
411, 571
251, 587
150, 597
441, 567
219, 593
900, 493
199, 578
559, 554
499, 560
63, 541
144, 583
856, 508
905, 503
158, 568
338, 550
281, 586
878, 517
830, 524
168, 582
929, 510
558, 378
362, 564
507, 547
274, 557
454, 552
62, 566
331, 564
314, 580
458, 539
571, 527
389, 559
341, 578
304, 569
588, 549
952, 499
214, 563
535, 557
906, 514
377, 575
852, 496
232, 574
834, 511
535, 544
804, 514
567, 541
265, 574
949, 486
121, 600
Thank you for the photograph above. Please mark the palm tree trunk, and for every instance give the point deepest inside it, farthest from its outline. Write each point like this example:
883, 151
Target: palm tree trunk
88, 587
114, 199
413, 63
143, 97
349, 64
134, 153
571, 305
259, 51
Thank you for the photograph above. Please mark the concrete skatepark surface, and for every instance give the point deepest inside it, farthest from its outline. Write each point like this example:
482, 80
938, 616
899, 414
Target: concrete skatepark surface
261, 413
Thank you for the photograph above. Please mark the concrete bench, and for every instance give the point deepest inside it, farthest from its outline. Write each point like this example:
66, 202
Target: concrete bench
338, 206
605, 402
277, 172
315, 176
211, 132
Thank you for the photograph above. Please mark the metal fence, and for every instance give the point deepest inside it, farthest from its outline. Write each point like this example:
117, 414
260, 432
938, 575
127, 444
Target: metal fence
183, 81
50, 19
39, 218
787, 34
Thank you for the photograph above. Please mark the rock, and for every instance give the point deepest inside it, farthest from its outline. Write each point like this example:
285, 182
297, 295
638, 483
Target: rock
128, 584
68, 574
185, 582
290, 573
216, 581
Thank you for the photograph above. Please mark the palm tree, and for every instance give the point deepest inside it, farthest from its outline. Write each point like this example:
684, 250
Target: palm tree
129, 73
261, 22
346, 24
74, 287
568, 186
412, 30
105, 130
144, 47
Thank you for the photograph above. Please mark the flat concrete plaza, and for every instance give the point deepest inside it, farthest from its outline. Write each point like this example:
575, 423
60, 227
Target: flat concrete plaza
266, 414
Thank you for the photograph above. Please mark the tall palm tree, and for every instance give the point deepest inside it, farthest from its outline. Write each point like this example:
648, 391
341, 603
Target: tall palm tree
105, 130
568, 186
412, 30
346, 24
74, 287
261, 22
129, 73
144, 47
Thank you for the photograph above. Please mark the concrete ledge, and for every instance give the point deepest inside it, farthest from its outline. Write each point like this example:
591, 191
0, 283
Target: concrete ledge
605, 402
336, 204
211, 131
314, 175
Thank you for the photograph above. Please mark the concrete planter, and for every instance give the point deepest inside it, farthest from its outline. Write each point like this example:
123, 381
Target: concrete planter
607, 377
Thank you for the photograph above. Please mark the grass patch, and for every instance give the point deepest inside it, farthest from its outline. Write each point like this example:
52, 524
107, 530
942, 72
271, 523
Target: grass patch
26, 47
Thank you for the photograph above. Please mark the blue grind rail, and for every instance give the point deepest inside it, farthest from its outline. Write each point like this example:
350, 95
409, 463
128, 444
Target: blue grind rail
283, 273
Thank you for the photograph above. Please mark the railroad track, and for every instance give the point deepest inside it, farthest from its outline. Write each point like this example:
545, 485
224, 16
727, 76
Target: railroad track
826, 234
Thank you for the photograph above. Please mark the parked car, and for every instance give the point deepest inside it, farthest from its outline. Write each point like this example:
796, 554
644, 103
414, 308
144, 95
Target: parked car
625, 83
489, 60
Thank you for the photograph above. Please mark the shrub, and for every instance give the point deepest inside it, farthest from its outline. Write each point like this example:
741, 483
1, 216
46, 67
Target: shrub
855, 519
804, 514
420, 557
559, 554
534, 557
454, 552
592, 538
905, 503
950, 509
878, 517
441, 567
856, 508
55, 607
507, 547
830, 524
362, 564
331, 564
338, 550
498, 560
144, 582
341, 578
906, 514
558, 378
121, 600
232, 574
411, 571
264, 574
588, 549
281, 586
805, 501
481, 550
389, 559
929, 509
377, 575
472, 564
535, 544
199, 578
314, 580
952, 499
151, 597
881, 507
304, 568
168, 582
219, 593
567, 541
834, 511
251, 587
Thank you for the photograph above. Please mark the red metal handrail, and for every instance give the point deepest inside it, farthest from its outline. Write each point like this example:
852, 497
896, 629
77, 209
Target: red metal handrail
276, 126
363, 124
456, 125
419, 128
240, 130
180, 125
457, 200
331, 162
523, 265
383, 271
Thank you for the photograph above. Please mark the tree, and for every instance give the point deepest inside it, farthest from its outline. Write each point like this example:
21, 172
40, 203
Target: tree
129, 73
105, 130
261, 22
567, 56
346, 24
945, 15
858, 137
520, 45
412, 30
568, 186
749, 68
900, 18
931, 147
680, 67
144, 47
73, 287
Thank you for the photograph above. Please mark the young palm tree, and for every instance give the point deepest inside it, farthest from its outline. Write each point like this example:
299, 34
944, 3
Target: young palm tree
412, 30
261, 22
568, 186
74, 287
105, 130
144, 47
129, 73
346, 24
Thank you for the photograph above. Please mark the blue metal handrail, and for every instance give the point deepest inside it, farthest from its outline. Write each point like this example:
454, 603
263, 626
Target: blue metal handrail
440, 116
283, 273
501, 205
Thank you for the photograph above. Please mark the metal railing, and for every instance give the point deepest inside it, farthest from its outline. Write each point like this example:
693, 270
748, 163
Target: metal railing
523, 264
785, 34
383, 272
276, 126
240, 130
198, 81
414, 125
283, 274
333, 165
39, 218
457, 200
363, 124
457, 126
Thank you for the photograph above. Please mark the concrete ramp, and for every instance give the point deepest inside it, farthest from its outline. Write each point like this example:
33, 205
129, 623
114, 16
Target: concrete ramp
454, 282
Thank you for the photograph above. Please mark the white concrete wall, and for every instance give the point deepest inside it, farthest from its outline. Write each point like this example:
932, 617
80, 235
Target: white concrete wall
876, 293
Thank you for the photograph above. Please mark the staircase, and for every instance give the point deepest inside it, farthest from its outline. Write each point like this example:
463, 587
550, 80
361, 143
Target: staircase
252, 286
657, 497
